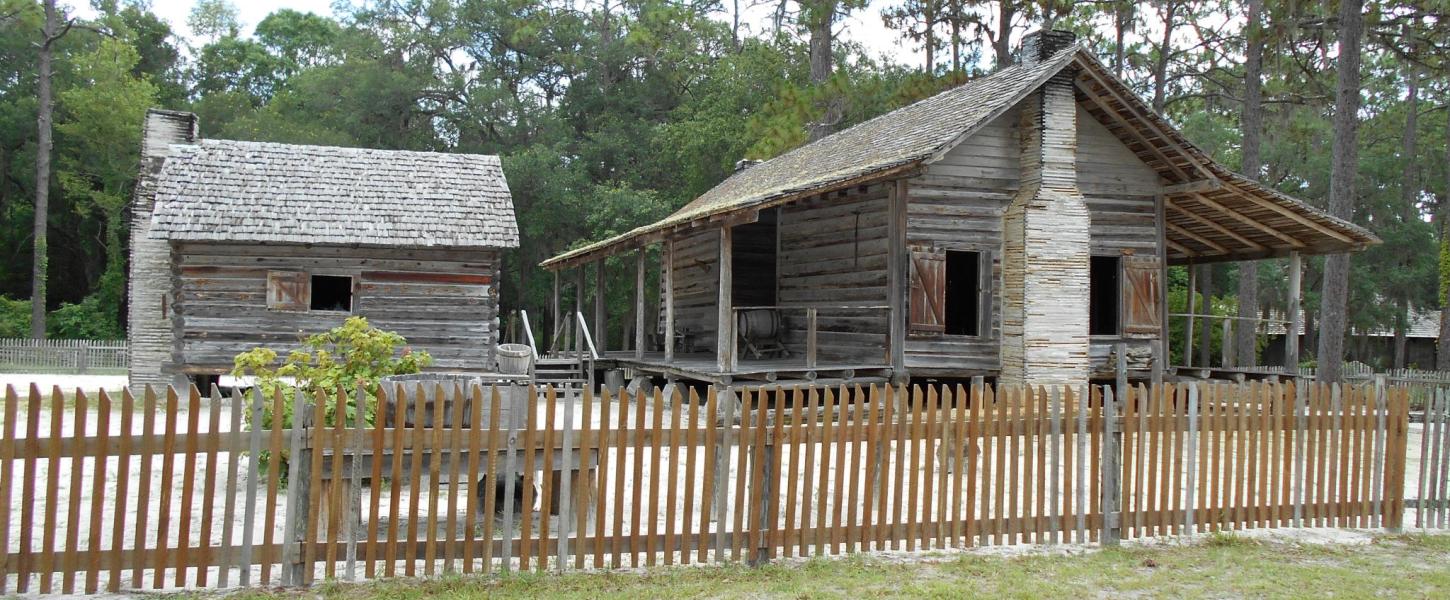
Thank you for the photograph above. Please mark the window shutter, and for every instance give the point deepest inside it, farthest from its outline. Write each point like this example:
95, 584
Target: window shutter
987, 280
1142, 297
928, 292
288, 290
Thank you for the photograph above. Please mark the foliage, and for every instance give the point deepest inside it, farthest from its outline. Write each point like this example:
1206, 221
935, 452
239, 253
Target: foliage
348, 359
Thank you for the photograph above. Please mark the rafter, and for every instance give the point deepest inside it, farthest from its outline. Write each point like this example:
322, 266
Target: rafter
1108, 111
1145, 119
1296, 217
1246, 242
1195, 237
1245, 219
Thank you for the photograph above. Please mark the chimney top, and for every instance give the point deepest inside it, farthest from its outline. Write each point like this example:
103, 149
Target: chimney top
745, 163
1041, 44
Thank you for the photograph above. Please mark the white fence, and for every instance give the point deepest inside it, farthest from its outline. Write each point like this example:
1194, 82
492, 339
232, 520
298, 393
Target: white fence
62, 356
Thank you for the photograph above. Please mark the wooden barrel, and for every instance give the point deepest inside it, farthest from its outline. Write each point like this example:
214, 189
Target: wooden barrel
758, 324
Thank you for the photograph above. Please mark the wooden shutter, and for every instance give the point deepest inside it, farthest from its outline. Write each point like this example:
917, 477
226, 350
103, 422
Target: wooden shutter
928, 292
1142, 297
289, 290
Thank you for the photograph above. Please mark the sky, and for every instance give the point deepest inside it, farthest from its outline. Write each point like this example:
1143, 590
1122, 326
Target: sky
863, 26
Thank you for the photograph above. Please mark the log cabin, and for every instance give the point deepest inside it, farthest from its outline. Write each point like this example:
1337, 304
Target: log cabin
1017, 228
237, 245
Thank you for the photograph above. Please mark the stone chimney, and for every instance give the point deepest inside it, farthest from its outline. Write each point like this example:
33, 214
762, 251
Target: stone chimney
1043, 43
1046, 247
148, 313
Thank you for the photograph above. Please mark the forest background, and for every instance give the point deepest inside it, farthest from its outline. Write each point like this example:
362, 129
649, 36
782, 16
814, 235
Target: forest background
609, 114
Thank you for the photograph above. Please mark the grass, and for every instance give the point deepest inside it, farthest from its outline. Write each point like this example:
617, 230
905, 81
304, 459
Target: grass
1406, 566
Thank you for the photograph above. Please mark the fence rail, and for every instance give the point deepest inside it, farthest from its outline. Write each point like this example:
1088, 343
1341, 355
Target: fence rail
62, 356
172, 489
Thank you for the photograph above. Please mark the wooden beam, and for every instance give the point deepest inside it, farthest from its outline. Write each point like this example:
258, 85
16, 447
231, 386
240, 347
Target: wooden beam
601, 316
1093, 97
1195, 237
1296, 319
1246, 242
667, 275
555, 307
896, 280
1243, 218
1180, 248
1198, 185
1192, 299
639, 303
579, 307
725, 315
1296, 217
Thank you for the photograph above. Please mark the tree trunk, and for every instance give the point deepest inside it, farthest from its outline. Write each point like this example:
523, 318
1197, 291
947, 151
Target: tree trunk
49, 33
820, 17
1160, 67
1342, 177
1002, 44
1252, 123
1402, 322
1122, 15
929, 17
1442, 349
957, 36
1205, 339
1409, 194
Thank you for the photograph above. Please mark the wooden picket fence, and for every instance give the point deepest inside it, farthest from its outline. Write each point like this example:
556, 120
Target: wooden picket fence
171, 489
26, 355
1432, 498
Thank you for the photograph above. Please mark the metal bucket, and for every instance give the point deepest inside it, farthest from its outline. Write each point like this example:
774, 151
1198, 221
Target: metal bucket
514, 359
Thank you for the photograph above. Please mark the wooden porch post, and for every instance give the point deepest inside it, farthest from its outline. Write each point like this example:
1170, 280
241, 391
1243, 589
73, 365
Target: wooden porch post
725, 318
898, 263
1296, 320
639, 302
1188, 330
579, 307
601, 317
554, 306
667, 276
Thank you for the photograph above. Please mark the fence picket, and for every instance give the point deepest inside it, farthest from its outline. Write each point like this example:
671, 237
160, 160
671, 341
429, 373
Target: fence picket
123, 480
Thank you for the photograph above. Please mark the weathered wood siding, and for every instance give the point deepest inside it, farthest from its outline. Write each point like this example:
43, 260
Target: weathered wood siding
833, 253
696, 280
957, 205
444, 301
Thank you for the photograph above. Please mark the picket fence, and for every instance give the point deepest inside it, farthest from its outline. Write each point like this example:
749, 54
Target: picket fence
28, 355
170, 489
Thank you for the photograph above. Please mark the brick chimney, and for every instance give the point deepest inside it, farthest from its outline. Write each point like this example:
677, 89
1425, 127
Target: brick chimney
148, 330
1046, 248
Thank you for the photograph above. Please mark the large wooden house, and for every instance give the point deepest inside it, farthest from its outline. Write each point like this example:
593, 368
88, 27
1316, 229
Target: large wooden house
242, 244
1016, 227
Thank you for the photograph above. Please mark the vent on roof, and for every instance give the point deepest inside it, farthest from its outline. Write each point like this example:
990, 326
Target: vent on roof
745, 163
1042, 44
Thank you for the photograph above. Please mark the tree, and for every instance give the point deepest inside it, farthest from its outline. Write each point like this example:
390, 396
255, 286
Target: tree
213, 19
917, 21
1252, 124
51, 32
1342, 181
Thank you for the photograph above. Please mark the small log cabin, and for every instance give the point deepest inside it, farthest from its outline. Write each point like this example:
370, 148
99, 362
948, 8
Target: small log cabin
1016, 227
245, 244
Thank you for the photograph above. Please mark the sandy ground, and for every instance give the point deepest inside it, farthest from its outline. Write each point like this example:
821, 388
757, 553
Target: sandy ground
652, 517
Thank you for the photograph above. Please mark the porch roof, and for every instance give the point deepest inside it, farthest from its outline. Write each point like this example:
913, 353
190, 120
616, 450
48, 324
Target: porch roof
1212, 214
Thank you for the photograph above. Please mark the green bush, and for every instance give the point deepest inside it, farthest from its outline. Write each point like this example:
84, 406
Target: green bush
351, 357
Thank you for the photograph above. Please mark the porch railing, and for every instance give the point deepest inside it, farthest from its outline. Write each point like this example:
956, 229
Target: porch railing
812, 328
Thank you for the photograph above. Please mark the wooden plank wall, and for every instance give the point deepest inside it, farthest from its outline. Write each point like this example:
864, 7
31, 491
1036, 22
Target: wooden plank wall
957, 205
221, 307
833, 253
696, 279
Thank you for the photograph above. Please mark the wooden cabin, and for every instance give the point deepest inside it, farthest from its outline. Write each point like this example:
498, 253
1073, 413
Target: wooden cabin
1016, 227
245, 244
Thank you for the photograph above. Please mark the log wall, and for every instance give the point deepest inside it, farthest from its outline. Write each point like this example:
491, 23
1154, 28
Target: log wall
444, 301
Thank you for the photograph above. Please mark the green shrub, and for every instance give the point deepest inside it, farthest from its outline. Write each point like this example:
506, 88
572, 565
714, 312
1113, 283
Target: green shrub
351, 357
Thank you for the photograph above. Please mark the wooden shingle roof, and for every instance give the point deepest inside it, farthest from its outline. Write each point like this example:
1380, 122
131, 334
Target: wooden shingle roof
222, 190
1213, 213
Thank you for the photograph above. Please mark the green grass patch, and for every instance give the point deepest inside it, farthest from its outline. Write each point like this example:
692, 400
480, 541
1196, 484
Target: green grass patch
1411, 566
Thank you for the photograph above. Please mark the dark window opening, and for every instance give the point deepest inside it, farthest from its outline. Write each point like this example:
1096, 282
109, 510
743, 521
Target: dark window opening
331, 292
1104, 296
753, 262
963, 293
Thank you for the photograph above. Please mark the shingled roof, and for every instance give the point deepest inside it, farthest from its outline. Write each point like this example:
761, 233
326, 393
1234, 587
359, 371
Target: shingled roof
922, 132
222, 190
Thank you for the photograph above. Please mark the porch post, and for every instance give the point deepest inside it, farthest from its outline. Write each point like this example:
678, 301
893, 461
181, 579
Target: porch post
667, 276
1188, 330
554, 306
579, 307
1296, 320
898, 264
725, 319
639, 303
601, 317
